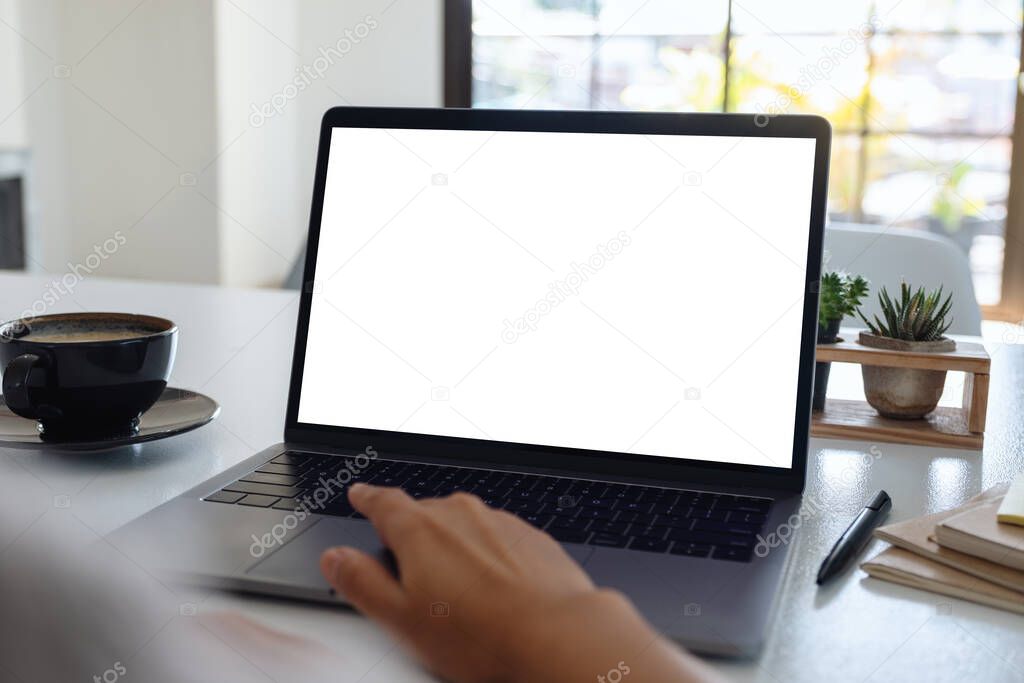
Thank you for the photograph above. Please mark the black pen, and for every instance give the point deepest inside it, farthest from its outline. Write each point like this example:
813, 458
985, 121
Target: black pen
855, 537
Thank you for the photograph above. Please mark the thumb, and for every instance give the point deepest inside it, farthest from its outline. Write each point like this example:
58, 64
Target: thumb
365, 583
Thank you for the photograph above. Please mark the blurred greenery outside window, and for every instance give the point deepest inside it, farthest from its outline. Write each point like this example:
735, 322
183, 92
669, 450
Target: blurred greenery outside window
920, 93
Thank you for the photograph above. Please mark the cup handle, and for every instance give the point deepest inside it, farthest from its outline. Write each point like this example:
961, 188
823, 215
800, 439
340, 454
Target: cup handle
15, 385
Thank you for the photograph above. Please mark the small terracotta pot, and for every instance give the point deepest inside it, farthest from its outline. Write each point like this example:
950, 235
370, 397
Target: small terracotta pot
903, 393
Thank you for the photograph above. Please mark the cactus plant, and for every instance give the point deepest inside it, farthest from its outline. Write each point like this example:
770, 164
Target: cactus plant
916, 316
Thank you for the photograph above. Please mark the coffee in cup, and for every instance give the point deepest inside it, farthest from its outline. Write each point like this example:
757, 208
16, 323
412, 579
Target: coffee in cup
85, 373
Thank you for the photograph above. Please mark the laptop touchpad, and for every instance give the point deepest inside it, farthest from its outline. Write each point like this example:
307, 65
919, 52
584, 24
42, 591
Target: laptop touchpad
297, 563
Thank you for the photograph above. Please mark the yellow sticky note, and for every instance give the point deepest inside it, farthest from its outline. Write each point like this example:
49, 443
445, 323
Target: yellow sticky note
1011, 511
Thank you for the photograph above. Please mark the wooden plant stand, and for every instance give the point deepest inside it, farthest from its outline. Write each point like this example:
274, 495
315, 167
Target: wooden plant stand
962, 427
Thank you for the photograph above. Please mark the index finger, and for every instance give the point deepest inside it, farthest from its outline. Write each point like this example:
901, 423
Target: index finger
392, 511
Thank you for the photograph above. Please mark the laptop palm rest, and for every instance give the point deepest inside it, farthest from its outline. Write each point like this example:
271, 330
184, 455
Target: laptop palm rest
297, 562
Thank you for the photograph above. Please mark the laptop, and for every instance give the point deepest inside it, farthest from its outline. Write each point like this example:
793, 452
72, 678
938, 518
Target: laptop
602, 322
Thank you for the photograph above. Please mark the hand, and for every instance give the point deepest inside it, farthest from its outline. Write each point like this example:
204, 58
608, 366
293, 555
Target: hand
484, 596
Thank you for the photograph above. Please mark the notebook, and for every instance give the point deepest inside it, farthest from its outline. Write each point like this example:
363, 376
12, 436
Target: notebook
977, 532
904, 567
913, 535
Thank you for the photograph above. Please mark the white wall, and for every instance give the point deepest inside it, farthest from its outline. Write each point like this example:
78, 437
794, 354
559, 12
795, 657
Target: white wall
12, 117
33, 32
142, 123
119, 106
259, 172
296, 60
142, 117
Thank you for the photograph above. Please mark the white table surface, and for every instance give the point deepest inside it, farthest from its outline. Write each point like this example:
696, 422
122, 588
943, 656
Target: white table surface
235, 345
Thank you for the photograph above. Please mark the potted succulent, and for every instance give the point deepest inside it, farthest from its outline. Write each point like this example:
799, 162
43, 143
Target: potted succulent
840, 295
917, 322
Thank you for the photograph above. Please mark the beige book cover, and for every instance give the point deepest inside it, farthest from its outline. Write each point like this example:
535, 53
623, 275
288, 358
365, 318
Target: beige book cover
977, 532
914, 535
908, 569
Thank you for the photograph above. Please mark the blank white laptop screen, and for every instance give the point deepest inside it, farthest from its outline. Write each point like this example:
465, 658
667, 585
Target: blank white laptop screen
628, 293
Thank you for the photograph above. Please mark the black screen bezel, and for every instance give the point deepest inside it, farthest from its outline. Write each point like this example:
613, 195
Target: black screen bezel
573, 460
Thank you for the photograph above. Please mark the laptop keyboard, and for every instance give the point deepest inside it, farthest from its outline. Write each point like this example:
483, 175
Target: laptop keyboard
651, 519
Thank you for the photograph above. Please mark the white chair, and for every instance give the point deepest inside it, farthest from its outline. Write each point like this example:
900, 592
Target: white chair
887, 256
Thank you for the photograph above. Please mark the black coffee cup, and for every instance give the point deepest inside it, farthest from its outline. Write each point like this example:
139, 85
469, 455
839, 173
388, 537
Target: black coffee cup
85, 373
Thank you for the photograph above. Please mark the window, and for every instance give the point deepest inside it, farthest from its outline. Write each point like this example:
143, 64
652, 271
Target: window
921, 93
